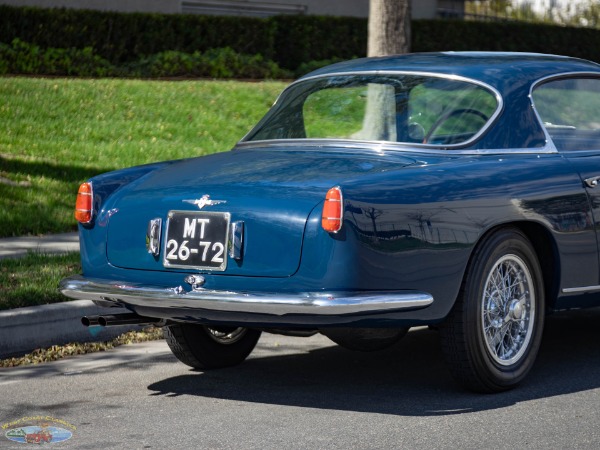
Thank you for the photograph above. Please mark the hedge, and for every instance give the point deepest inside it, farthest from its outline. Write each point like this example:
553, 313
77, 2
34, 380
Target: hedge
125, 37
302, 39
289, 41
29, 59
430, 35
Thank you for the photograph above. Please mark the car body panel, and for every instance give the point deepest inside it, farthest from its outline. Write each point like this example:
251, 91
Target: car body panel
270, 192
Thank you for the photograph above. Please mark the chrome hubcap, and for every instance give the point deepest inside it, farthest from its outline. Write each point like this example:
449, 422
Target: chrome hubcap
508, 310
226, 335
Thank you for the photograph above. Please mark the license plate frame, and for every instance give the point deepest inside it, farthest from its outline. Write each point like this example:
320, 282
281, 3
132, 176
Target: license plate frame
196, 240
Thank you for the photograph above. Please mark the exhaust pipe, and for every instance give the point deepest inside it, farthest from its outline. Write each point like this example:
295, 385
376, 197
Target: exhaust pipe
119, 319
90, 321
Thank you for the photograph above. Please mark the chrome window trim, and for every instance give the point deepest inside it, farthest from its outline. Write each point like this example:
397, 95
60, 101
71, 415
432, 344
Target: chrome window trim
547, 79
481, 132
381, 147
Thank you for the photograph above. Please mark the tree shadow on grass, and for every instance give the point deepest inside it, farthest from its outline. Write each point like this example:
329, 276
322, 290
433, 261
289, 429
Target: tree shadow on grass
61, 172
409, 380
38, 197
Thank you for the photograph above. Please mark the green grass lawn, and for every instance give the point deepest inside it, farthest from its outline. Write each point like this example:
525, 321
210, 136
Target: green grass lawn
33, 279
56, 133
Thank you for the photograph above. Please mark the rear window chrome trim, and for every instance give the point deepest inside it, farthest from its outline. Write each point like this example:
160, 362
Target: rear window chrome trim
451, 77
383, 147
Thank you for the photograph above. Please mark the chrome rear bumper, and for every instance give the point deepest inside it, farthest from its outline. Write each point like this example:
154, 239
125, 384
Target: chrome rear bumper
321, 304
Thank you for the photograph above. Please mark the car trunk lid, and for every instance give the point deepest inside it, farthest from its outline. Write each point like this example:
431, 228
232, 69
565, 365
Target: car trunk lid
267, 196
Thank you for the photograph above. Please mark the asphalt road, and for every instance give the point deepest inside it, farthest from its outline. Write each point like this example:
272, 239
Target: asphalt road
308, 393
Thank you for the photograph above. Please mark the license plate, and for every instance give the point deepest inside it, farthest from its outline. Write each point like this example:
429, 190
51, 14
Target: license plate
197, 240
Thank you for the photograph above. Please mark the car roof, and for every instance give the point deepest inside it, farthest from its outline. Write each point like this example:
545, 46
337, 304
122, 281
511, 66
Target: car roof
493, 68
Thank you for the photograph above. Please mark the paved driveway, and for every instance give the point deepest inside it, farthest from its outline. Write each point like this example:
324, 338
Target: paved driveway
307, 393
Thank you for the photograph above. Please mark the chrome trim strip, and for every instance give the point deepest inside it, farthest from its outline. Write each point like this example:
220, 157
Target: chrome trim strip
380, 147
582, 289
269, 303
451, 77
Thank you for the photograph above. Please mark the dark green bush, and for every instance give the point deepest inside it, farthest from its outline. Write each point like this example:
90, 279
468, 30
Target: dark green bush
435, 35
125, 37
29, 59
301, 39
23, 58
215, 63
307, 67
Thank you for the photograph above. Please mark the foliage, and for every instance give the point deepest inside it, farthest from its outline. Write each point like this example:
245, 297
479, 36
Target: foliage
32, 279
586, 14
145, 42
128, 37
215, 63
307, 67
457, 35
57, 352
59, 132
302, 39
23, 58
125, 37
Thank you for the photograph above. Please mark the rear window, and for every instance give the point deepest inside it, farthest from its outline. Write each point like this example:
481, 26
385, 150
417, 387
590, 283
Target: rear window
569, 111
415, 109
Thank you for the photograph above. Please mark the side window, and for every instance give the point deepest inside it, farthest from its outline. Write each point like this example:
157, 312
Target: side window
570, 111
448, 114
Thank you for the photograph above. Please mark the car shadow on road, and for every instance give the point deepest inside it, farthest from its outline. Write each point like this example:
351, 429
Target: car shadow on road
408, 380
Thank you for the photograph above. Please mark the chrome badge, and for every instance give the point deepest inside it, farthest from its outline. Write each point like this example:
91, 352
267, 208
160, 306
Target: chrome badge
203, 201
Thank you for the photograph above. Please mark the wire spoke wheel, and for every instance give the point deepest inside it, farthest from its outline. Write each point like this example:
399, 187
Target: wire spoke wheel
491, 337
508, 310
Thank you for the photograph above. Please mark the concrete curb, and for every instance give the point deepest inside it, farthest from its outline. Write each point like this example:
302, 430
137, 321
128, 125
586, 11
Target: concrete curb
25, 329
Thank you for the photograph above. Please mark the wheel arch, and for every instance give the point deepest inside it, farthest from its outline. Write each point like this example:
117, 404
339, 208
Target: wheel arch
545, 249
475, 326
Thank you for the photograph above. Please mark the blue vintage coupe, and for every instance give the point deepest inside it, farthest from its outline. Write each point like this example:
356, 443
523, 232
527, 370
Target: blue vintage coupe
455, 190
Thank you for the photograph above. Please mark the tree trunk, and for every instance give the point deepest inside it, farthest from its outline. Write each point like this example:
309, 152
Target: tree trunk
389, 27
389, 34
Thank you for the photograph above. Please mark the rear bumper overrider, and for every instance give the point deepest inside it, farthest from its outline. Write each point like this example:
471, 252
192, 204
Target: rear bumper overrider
307, 308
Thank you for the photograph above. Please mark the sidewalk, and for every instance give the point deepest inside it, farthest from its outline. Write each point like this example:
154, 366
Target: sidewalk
25, 329
51, 243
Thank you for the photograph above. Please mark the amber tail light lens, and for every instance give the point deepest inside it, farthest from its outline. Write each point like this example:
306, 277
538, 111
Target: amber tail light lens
333, 210
84, 203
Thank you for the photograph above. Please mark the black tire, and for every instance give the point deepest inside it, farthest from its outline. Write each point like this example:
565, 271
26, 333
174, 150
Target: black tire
203, 347
365, 339
511, 312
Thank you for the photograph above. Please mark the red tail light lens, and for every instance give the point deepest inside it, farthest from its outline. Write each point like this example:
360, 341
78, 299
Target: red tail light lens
333, 210
84, 203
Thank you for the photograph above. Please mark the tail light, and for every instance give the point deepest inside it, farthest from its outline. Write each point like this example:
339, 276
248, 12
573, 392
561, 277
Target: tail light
333, 210
84, 204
